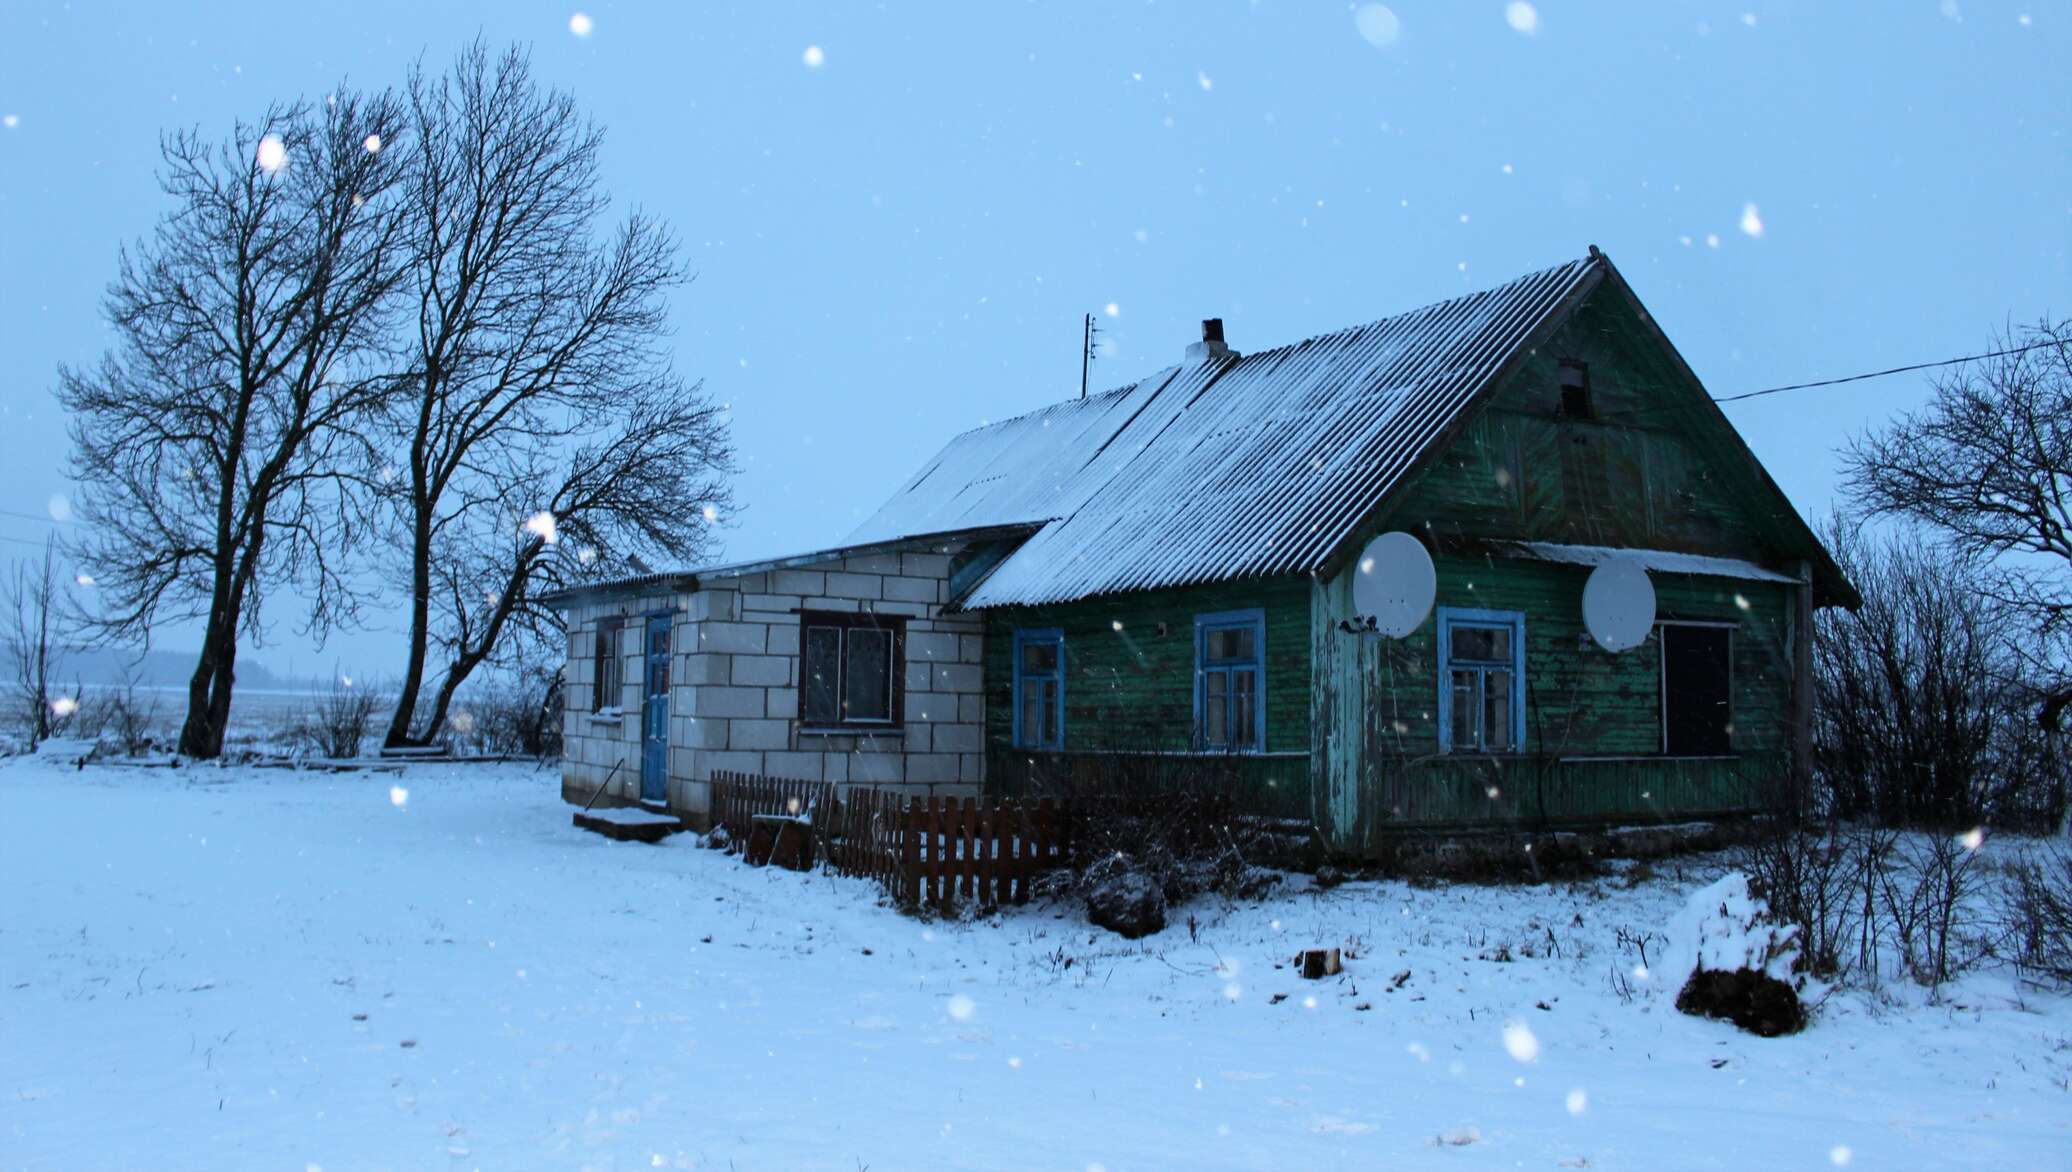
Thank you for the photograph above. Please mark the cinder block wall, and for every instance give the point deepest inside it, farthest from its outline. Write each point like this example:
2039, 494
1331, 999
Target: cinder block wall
734, 685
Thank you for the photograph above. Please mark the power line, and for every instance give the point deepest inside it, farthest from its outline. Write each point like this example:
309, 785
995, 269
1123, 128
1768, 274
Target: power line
48, 520
1829, 382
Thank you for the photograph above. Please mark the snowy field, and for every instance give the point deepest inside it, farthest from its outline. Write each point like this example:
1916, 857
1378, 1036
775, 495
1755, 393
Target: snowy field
255, 969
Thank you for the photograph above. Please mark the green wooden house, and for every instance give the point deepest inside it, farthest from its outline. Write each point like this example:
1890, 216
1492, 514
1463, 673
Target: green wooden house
1167, 568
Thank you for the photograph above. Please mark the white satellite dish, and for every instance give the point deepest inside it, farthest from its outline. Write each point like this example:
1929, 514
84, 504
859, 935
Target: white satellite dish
1619, 604
1394, 584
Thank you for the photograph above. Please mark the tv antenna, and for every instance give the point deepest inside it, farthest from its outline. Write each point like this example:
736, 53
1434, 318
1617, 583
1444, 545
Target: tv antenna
1086, 351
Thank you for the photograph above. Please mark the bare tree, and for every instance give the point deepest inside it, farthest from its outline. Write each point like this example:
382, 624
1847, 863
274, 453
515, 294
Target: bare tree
31, 599
537, 386
212, 441
1921, 699
1988, 464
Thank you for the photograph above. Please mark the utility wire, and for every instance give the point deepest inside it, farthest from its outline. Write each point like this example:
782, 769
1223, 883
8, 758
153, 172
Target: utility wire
48, 520
1829, 382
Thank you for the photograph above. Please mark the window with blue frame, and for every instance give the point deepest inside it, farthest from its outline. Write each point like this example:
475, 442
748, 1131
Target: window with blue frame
1481, 680
1039, 689
1230, 681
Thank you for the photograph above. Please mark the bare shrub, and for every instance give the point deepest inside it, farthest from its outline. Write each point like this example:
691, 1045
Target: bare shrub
1926, 894
511, 716
2036, 910
1807, 875
129, 716
337, 725
1174, 816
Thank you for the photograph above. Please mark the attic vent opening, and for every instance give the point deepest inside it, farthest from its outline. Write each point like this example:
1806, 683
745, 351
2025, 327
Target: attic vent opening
1575, 390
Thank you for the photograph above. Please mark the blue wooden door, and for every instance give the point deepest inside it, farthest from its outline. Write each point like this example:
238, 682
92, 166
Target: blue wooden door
654, 713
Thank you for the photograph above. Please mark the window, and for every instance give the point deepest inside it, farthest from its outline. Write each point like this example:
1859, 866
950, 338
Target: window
606, 695
1039, 689
1229, 688
1575, 390
850, 669
1697, 689
1482, 657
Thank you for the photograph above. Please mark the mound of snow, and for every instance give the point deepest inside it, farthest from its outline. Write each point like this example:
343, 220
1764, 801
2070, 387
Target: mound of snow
1724, 927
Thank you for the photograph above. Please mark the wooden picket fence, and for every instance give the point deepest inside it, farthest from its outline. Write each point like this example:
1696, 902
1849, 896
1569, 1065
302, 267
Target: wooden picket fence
921, 850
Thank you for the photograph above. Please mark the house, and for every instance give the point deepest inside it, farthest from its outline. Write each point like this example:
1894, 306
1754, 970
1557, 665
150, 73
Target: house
1167, 568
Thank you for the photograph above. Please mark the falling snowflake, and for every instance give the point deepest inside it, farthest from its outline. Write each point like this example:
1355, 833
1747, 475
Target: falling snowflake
1578, 1101
813, 57
1377, 24
1112, 309
1203, 80
273, 153
60, 507
1973, 838
962, 1008
398, 796
1751, 220
580, 24
541, 525
1522, 17
463, 721
710, 513
1950, 10
84, 579
1712, 240
1520, 1042
373, 144
13, 120
1840, 1155
64, 706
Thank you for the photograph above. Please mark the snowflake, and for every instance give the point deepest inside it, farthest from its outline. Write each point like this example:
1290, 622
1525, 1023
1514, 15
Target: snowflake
1751, 220
1520, 1042
398, 796
1578, 1101
373, 144
814, 57
1522, 17
272, 154
1377, 24
581, 25
962, 1008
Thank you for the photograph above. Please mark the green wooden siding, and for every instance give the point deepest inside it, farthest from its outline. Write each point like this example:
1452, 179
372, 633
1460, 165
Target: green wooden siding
1378, 759
1130, 689
1649, 471
1646, 472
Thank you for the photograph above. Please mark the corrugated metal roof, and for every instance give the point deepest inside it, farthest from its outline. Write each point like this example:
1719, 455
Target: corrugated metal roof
1229, 468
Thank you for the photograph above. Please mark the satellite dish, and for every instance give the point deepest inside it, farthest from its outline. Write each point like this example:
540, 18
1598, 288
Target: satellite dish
1619, 604
1394, 584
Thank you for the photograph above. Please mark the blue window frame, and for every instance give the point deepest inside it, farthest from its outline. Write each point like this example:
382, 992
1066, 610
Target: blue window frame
1481, 680
1230, 681
1039, 689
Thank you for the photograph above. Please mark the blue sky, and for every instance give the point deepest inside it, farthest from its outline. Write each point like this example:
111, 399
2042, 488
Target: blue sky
898, 243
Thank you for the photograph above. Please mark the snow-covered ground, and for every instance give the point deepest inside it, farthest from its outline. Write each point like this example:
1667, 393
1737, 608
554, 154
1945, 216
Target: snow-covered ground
257, 969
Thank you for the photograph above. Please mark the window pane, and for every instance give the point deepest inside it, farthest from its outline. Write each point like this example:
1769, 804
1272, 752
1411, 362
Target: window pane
1467, 702
1225, 644
1496, 711
1243, 708
1215, 709
1048, 730
867, 684
1481, 644
1032, 715
1039, 658
822, 668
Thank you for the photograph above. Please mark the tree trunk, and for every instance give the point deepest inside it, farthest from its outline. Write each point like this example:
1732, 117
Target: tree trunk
208, 692
420, 634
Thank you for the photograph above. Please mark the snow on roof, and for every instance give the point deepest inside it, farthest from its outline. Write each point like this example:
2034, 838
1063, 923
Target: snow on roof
1238, 467
1660, 561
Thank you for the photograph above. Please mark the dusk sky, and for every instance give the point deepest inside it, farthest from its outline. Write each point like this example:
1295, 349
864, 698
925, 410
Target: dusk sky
898, 213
